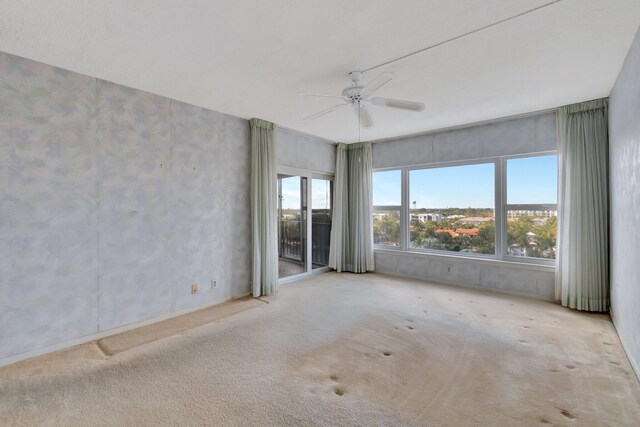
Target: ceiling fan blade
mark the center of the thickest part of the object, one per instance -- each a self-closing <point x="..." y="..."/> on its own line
<point x="323" y="112"/>
<point x="381" y="80"/>
<point x="398" y="103"/>
<point x="365" y="118"/>
<point x="320" y="95"/>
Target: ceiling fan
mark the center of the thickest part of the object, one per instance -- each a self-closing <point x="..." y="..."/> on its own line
<point x="358" y="96"/>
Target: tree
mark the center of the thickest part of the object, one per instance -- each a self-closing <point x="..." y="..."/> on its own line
<point x="387" y="230"/>
<point x="486" y="239"/>
<point x="517" y="232"/>
<point x="546" y="235"/>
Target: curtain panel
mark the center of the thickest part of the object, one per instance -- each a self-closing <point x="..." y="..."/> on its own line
<point x="264" y="208"/>
<point x="351" y="247"/>
<point x="582" y="274"/>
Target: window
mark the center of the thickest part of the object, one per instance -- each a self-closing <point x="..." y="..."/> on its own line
<point x="531" y="209"/>
<point x="502" y="207"/>
<point x="453" y="209"/>
<point x="387" y="201"/>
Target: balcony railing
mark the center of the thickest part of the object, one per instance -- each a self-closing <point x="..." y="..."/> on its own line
<point x="291" y="241"/>
<point x="320" y="239"/>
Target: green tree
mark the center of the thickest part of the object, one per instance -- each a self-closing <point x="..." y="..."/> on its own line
<point x="517" y="232"/>
<point x="545" y="238"/>
<point x="387" y="230"/>
<point x="486" y="239"/>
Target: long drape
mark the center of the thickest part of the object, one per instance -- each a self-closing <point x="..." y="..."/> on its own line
<point x="264" y="196"/>
<point x="339" y="242"/>
<point x="351" y="246"/>
<point x="582" y="275"/>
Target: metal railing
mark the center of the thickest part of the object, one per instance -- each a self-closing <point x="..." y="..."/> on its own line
<point x="320" y="239"/>
<point x="291" y="241"/>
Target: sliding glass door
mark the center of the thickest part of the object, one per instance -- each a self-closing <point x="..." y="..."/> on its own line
<point x="292" y="216"/>
<point x="303" y="245"/>
<point x="321" y="203"/>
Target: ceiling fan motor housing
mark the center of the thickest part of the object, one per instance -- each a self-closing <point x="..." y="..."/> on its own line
<point x="353" y="93"/>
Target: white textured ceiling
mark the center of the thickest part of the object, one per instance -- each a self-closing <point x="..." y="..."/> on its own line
<point x="250" y="58"/>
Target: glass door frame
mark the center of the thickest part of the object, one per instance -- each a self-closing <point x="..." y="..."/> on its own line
<point x="309" y="175"/>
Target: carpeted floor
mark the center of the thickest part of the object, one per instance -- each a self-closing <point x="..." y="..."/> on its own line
<point x="345" y="349"/>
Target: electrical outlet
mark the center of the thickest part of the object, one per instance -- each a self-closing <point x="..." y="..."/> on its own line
<point x="194" y="288"/>
<point x="214" y="283"/>
<point x="448" y="269"/>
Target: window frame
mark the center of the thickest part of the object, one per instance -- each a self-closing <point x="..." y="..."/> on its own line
<point x="309" y="174"/>
<point x="443" y="165"/>
<point x="500" y="209"/>
<point x="519" y="206"/>
<point x="400" y="209"/>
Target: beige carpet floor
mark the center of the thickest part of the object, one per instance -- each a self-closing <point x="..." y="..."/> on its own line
<point x="345" y="350"/>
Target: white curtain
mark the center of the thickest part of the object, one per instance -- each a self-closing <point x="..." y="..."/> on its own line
<point x="264" y="208"/>
<point x="582" y="274"/>
<point x="351" y="246"/>
<point x="338" y="246"/>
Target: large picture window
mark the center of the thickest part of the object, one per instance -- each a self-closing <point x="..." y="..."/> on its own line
<point x="453" y="208"/>
<point x="387" y="198"/>
<point x="502" y="207"/>
<point x="531" y="209"/>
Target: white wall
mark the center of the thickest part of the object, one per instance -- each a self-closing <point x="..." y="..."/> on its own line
<point x="113" y="201"/>
<point x="509" y="137"/>
<point x="498" y="276"/>
<point x="298" y="150"/>
<point x="624" y="161"/>
<point x="503" y="138"/>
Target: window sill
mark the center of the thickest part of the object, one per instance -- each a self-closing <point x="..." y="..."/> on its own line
<point x="469" y="259"/>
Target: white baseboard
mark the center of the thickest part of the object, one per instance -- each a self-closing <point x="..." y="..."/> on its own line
<point x="92" y="337"/>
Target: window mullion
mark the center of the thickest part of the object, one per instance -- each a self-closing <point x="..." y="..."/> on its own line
<point x="500" y="214"/>
<point x="404" y="210"/>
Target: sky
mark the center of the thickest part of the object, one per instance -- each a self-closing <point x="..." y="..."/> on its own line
<point x="291" y="193"/>
<point x="529" y="180"/>
<point x="532" y="180"/>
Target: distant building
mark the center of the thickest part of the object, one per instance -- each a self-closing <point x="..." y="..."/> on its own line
<point x="468" y="231"/>
<point x="537" y="214"/>
<point x="377" y="216"/>
<point x="515" y="250"/>
<point x="540" y="221"/>
<point x="455" y="216"/>
<point x="450" y="232"/>
<point x="476" y="220"/>
<point x="427" y="217"/>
